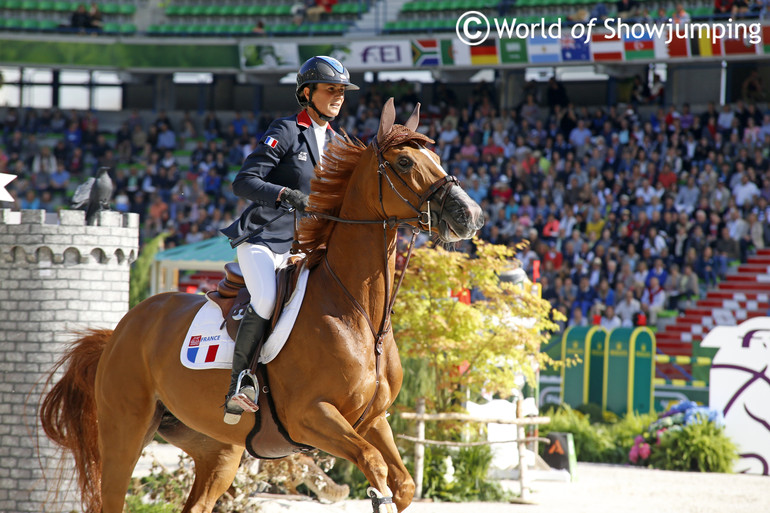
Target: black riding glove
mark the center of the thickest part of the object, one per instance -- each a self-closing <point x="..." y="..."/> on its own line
<point x="295" y="198"/>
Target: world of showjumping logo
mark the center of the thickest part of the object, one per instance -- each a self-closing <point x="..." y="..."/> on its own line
<point x="474" y="27"/>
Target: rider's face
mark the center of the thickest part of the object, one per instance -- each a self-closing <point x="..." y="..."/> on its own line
<point x="328" y="98"/>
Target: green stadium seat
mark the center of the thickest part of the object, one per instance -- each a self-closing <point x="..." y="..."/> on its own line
<point x="702" y="11"/>
<point x="29" y="24"/>
<point x="13" y="23"/>
<point x="48" y="25"/>
<point x="127" y="28"/>
<point x="13" y="5"/>
<point x="269" y="10"/>
<point x="171" y="10"/>
<point x="165" y="30"/>
<point x="410" y="7"/>
<point x="413" y="25"/>
<point x="197" y="10"/>
<point x="211" y="10"/>
<point x="226" y="10"/>
<point x="185" y="10"/>
<point x="232" y="29"/>
<point x="193" y="29"/>
<point x="127" y="9"/>
<point x="62" y="6"/>
<point x="255" y="10"/>
<point x="284" y="10"/>
<point x="240" y="10"/>
<point x="403" y="26"/>
<point x="112" y="28"/>
<point x="29" y="5"/>
<point x="45" y="5"/>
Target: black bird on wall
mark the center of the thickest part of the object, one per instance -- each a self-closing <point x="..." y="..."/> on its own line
<point x="94" y="195"/>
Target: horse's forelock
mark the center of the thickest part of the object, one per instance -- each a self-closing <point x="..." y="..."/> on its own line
<point x="400" y="135"/>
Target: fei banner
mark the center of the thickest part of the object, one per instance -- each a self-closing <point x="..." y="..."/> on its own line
<point x="356" y="55"/>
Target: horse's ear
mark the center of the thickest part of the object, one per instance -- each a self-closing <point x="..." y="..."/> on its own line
<point x="414" y="120"/>
<point x="386" y="120"/>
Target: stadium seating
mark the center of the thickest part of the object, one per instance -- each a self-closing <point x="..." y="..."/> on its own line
<point x="55" y="15"/>
<point x="227" y="19"/>
<point x="237" y="18"/>
<point x="432" y="16"/>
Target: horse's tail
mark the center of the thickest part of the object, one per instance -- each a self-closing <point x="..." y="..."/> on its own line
<point x="68" y="413"/>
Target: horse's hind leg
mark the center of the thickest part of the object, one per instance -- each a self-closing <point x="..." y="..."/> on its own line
<point x="399" y="480"/>
<point x="216" y="464"/>
<point x="128" y="416"/>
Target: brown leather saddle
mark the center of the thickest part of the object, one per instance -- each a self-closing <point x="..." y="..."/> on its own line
<point x="268" y="439"/>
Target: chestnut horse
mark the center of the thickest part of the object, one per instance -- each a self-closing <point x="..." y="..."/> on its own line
<point x="119" y="388"/>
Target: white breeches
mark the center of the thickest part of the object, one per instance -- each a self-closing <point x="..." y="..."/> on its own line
<point x="258" y="265"/>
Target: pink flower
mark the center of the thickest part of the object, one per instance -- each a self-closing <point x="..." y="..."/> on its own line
<point x="638" y="440"/>
<point x="633" y="454"/>
<point x="644" y="451"/>
<point x="659" y="434"/>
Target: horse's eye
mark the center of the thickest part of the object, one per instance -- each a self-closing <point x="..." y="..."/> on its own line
<point x="404" y="163"/>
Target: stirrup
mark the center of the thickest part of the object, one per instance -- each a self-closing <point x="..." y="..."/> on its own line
<point x="381" y="503"/>
<point x="243" y="399"/>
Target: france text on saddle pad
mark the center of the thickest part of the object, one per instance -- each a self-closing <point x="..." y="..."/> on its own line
<point x="208" y="346"/>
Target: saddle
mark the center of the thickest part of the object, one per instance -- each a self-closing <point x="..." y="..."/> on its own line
<point x="232" y="296"/>
<point x="268" y="439"/>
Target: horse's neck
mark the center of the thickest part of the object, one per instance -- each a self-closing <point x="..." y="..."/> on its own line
<point x="357" y="254"/>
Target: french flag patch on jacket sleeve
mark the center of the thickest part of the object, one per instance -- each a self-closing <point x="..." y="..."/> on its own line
<point x="271" y="142"/>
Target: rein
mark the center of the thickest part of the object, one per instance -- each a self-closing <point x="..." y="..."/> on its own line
<point x="423" y="219"/>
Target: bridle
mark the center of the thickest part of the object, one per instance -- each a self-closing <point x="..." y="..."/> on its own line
<point x="423" y="222"/>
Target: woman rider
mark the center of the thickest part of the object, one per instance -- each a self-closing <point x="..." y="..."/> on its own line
<point x="274" y="177"/>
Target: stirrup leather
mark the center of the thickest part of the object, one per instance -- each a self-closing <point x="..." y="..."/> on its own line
<point x="240" y="398"/>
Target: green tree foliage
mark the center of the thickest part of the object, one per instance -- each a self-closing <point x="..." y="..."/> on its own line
<point x="481" y="346"/>
<point x="139" y="281"/>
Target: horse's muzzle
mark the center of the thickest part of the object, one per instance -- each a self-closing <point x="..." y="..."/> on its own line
<point x="460" y="218"/>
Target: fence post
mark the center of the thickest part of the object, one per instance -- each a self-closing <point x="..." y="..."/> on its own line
<point x="521" y="436"/>
<point x="419" y="449"/>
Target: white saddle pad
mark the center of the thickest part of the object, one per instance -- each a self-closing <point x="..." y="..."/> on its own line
<point x="207" y="346"/>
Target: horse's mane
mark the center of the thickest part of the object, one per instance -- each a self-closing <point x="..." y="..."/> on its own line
<point x="327" y="189"/>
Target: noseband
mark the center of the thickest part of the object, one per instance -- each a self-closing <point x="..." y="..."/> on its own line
<point x="423" y="222"/>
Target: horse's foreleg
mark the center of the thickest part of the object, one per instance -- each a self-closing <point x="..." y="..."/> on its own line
<point x="324" y="427"/>
<point x="401" y="483"/>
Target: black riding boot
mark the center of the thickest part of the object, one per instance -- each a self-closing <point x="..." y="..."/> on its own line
<point x="251" y="330"/>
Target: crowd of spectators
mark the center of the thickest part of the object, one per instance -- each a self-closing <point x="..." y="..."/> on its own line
<point x="625" y="212"/>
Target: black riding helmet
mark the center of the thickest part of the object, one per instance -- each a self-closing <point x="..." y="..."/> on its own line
<point x="321" y="70"/>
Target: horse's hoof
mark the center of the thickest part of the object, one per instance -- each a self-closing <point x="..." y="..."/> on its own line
<point x="381" y="503"/>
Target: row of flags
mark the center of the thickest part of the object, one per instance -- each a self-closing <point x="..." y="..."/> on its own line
<point x="543" y="50"/>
